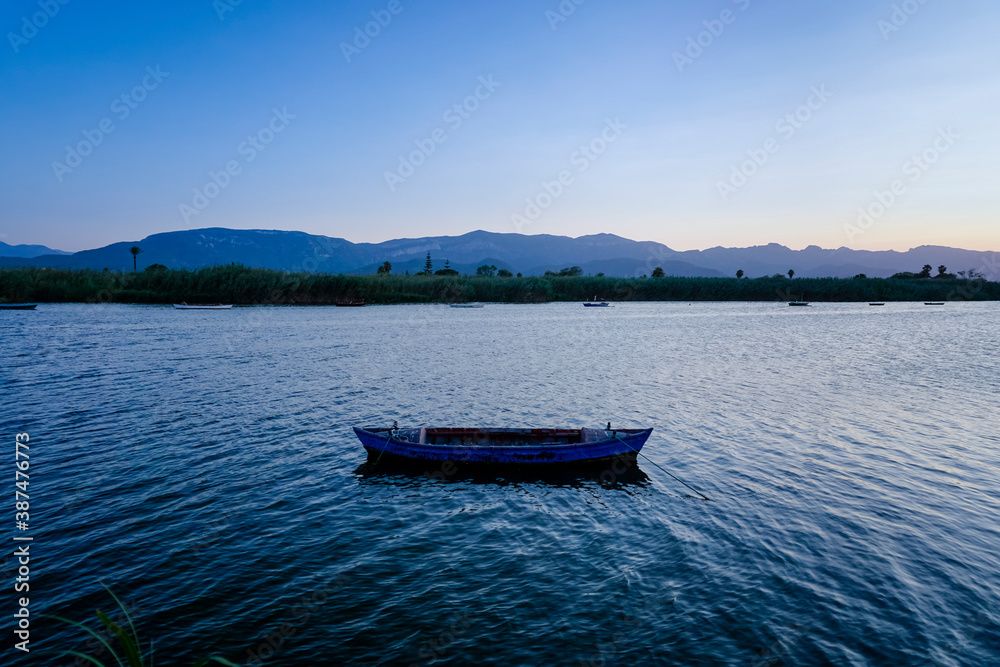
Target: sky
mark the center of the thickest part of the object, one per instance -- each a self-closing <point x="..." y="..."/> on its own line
<point x="868" y="125"/>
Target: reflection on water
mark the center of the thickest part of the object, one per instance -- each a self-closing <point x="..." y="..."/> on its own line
<point x="386" y="471"/>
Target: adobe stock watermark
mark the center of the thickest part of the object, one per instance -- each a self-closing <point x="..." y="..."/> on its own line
<point x="581" y="159"/>
<point x="250" y="148"/>
<point x="900" y="16"/>
<point x="31" y="25"/>
<point x="786" y="127"/>
<point x="437" y="647"/>
<point x="697" y="44"/>
<point x="454" y="116"/>
<point x="914" y="169"/>
<point x="223" y="7"/>
<point x="122" y="106"/>
<point x="627" y="626"/>
<point x="776" y="653"/>
<point x="363" y="35"/>
<point x="973" y="281"/>
<point x="301" y="612"/>
<point x="562" y="13"/>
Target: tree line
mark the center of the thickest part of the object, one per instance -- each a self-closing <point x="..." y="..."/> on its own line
<point x="239" y="284"/>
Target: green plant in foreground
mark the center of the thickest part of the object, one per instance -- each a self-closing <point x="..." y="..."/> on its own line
<point x="128" y="641"/>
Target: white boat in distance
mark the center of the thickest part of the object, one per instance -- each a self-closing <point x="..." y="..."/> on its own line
<point x="466" y="305"/>
<point x="596" y="304"/>
<point x="202" y="306"/>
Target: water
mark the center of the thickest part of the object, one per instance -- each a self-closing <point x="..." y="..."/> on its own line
<point x="203" y="466"/>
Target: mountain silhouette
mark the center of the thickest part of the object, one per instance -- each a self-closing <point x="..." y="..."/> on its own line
<point x="519" y="253"/>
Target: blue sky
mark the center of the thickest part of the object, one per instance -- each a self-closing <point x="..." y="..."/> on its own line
<point x="598" y="117"/>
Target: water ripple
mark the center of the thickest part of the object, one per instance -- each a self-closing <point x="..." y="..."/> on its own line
<point x="205" y="468"/>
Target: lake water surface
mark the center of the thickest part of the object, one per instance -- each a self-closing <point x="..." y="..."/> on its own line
<point x="202" y="464"/>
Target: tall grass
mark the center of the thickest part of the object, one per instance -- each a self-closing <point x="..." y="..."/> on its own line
<point x="125" y="646"/>
<point x="245" y="286"/>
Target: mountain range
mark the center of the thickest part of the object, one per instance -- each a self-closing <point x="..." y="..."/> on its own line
<point x="7" y="250"/>
<point x="519" y="253"/>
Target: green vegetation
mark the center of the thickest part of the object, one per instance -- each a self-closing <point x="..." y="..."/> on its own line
<point x="244" y="286"/>
<point x="126" y="640"/>
<point x="571" y="272"/>
<point x="428" y="267"/>
<point x="942" y="274"/>
<point x="447" y="270"/>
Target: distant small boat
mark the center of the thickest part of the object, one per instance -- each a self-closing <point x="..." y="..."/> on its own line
<point x="933" y="303"/>
<point x="798" y="303"/>
<point x="596" y="304"/>
<point x="17" y="306"/>
<point x="504" y="446"/>
<point x="876" y="304"/>
<point x="183" y="305"/>
<point x="350" y="304"/>
<point x="466" y="305"/>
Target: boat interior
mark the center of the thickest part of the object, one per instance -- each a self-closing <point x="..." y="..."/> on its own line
<point x="504" y="437"/>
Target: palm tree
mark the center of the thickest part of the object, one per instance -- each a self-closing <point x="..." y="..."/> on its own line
<point x="791" y="273"/>
<point x="135" y="250"/>
<point x="739" y="274"/>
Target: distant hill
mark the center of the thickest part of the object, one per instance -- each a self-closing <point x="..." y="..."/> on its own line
<point x="7" y="250"/>
<point x="816" y="262"/>
<point x="530" y="255"/>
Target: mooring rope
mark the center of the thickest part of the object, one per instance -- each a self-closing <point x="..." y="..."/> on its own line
<point x="662" y="468"/>
<point x="388" y="439"/>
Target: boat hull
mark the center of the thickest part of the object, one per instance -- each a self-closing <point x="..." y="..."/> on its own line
<point x="517" y="447"/>
<point x="17" y="306"/>
<point x="219" y="306"/>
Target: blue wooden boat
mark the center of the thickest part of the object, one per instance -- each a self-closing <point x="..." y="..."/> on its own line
<point x="17" y="306"/>
<point x="504" y="446"/>
<point x="596" y="304"/>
